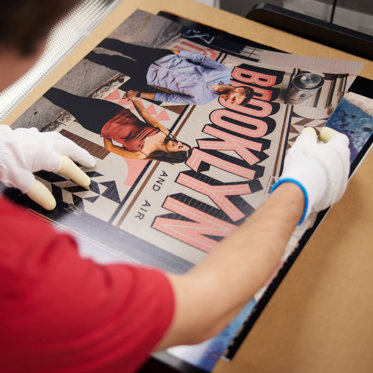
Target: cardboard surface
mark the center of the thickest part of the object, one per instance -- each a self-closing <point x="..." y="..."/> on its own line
<point x="319" y="320"/>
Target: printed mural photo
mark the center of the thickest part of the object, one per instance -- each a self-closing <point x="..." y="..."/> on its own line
<point x="189" y="134"/>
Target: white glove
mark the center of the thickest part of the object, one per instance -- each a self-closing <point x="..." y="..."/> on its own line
<point x="25" y="151"/>
<point x="319" y="169"/>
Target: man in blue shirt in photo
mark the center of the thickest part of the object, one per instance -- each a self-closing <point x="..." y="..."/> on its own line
<point x="177" y="76"/>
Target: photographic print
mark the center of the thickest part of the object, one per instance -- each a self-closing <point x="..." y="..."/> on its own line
<point x="189" y="131"/>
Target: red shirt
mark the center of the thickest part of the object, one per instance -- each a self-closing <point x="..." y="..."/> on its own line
<point x="128" y="130"/>
<point x="62" y="313"/>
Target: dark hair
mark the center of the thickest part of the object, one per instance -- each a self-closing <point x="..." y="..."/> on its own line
<point x="171" y="157"/>
<point x="24" y="23"/>
<point x="248" y="92"/>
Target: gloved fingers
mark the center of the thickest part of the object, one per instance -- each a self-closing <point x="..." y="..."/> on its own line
<point x="73" y="172"/>
<point x="309" y="131"/>
<point x="52" y="162"/>
<point x="339" y="141"/>
<point x="335" y="158"/>
<point x="338" y="144"/>
<point x="23" y="180"/>
<point x="41" y="195"/>
<point x="305" y="139"/>
<point x="77" y="153"/>
<point x="327" y="134"/>
<point x="68" y="147"/>
<point x="62" y="164"/>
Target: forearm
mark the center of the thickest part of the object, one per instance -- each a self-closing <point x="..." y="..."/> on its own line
<point x="148" y="118"/>
<point x="249" y="255"/>
<point x="177" y="98"/>
<point x="230" y="275"/>
<point x="143" y="112"/>
<point x="118" y="150"/>
<point x="147" y="96"/>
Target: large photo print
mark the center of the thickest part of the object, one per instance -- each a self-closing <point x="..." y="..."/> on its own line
<point x="188" y="138"/>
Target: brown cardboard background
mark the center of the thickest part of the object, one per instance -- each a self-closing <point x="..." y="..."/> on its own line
<point x="320" y="318"/>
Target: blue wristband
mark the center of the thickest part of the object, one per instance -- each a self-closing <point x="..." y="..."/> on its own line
<point x="303" y="189"/>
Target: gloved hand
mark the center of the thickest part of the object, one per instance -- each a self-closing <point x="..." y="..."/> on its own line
<point x="319" y="169"/>
<point x="24" y="151"/>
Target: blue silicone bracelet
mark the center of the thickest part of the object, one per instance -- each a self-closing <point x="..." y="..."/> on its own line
<point x="303" y="189"/>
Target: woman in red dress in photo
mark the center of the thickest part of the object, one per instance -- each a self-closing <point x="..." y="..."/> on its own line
<point x="140" y="140"/>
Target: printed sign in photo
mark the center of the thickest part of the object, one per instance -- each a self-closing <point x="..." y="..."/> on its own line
<point x="189" y="133"/>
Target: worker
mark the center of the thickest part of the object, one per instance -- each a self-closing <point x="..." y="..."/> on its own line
<point x="62" y="313"/>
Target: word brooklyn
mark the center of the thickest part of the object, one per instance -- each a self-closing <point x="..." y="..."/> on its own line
<point x="234" y="128"/>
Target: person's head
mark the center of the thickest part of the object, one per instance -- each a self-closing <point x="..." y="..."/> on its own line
<point x="173" y="152"/>
<point x="24" y="26"/>
<point x="240" y="95"/>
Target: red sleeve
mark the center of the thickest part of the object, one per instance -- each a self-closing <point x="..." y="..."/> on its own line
<point x="61" y="313"/>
